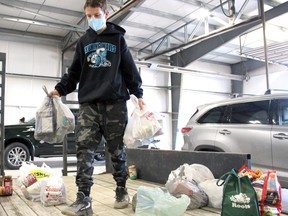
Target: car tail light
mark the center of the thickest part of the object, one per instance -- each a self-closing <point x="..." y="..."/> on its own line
<point x="186" y="129"/>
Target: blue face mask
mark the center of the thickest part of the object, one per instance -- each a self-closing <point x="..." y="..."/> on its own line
<point x="97" y="24"/>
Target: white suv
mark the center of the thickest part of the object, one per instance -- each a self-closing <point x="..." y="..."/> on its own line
<point x="256" y="124"/>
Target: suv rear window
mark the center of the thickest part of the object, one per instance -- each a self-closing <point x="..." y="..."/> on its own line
<point x="250" y="113"/>
<point x="214" y="115"/>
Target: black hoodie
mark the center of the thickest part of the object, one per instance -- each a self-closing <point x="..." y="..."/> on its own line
<point x="104" y="68"/>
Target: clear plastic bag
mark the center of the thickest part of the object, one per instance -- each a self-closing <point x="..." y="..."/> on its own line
<point x="157" y="202"/>
<point x="53" y="120"/>
<point x="45" y="122"/>
<point x="53" y="191"/>
<point x="143" y="124"/>
<point x="180" y="185"/>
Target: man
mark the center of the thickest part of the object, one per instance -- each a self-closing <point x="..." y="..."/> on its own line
<point x="106" y="73"/>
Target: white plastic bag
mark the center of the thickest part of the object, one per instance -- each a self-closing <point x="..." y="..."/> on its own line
<point x="196" y="172"/>
<point x="142" y="124"/>
<point x="45" y="122"/>
<point x="53" y="120"/>
<point x="30" y="178"/>
<point x="53" y="191"/>
<point x="213" y="191"/>
<point x="156" y="202"/>
<point x="180" y="185"/>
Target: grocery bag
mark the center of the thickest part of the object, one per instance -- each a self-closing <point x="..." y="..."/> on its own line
<point x="239" y="196"/>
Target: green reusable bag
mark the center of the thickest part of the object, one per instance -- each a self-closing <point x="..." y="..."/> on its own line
<point x="239" y="196"/>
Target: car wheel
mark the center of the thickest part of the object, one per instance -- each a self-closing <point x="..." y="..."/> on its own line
<point x="100" y="157"/>
<point x="15" y="154"/>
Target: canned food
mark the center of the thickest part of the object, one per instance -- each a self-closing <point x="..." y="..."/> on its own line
<point x="132" y="172"/>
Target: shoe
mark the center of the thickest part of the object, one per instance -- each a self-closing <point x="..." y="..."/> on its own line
<point x="81" y="207"/>
<point x="122" y="198"/>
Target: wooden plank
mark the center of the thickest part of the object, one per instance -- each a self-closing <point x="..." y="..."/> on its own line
<point x="102" y="194"/>
<point x="37" y="207"/>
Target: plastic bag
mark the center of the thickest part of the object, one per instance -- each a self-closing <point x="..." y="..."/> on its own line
<point x="53" y="191"/>
<point x="53" y="120"/>
<point x="196" y="172"/>
<point x="156" y="202"/>
<point x="45" y="122"/>
<point x="30" y="179"/>
<point x="214" y="192"/>
<point x="142" y="124"/>
<point x="180" y="185"/>
<point x="269" y="193"/>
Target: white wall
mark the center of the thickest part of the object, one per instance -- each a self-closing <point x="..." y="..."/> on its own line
<point x="24" y="94"/>
<point x="278" y="76"/>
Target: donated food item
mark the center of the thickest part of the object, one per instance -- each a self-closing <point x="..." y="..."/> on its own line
<point x="6" y="186"/>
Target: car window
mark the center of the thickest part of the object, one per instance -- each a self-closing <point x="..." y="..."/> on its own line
<point x="214" y="115"/>
<point x="250" y="113"/>
<point x="283" y="112"/>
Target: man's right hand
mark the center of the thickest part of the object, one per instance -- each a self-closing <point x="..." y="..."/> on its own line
<point x="54" y="93"/>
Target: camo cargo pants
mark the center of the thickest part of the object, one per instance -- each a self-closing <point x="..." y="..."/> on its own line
<point x="95" y="120"/>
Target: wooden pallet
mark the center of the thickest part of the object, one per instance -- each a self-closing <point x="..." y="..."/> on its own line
<point x="102" y="195"/>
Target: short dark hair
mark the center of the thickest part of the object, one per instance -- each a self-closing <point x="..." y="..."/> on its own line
<point x="96" y="3"/>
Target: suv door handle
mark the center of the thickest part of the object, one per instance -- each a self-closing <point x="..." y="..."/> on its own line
<point x="225" y="132"/>
<point x="280" y="136"/>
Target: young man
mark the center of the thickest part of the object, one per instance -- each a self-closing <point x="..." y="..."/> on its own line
<point x="107" y="74"/>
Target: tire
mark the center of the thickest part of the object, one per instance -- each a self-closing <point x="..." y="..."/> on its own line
<point x="100" y="156"/>
<point x="15" y="154"/>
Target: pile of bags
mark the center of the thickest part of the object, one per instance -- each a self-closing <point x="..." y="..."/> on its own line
<point x="188" y="187"/>
<point x="41" y="184"/>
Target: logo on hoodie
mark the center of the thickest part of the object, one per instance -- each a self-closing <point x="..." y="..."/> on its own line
<point x="97" y="57"/>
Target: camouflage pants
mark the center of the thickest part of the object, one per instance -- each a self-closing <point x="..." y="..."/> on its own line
<point x="95" y="120"/>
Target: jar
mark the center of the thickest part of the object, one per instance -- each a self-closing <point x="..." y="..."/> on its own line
<point x="8" y="181"/>
<point x="8" y="185"/>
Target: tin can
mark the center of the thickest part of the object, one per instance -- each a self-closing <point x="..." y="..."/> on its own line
<point x="132" y="172"/>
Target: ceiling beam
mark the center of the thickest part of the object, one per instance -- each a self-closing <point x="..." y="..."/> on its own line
<point x="205" y="45"/>
<point x="34" y="6"/>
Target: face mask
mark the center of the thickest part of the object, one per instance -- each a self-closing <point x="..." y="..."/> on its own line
<point x="97" y="24"/>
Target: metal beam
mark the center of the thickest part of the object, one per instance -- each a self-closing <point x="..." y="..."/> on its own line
<point x="207" y="44"/>
<point x="35" y="6"/>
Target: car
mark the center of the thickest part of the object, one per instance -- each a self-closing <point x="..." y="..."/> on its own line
<point x="20" y="145"/>
<point x="257" y="125"/>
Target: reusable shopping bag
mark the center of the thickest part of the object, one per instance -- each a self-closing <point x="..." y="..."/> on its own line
<point x="271" y="199"/>
<point x="239" y="196"/>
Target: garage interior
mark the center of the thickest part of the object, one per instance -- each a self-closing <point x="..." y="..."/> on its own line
<point x="189" y="52"/>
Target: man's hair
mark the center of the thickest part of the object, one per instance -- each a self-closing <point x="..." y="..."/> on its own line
<point x="96" y="3"/>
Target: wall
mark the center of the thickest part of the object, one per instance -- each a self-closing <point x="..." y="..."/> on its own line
<point x="278" y="76"/>
<point x="29" y="66"/>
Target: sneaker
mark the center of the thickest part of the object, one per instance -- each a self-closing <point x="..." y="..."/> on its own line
<point x="122" y="198"/>
<point x="82" y="206"/>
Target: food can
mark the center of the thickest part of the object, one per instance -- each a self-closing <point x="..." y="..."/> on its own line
<point x="132" y="172"/>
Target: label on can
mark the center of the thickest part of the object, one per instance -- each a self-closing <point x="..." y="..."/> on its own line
<point x="132" y="172"/>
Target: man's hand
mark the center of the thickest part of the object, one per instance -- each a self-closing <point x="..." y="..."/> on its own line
<point x="54" y="93"/>
<point x="141" y="103"/>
